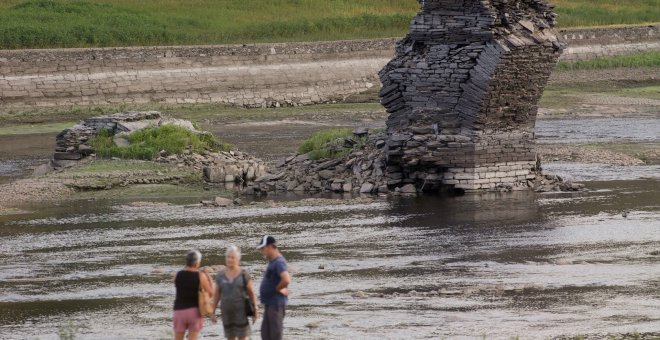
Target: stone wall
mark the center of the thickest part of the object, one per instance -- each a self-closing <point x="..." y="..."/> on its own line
<point x="245" y="75"/>
<point x="462" y="92"/>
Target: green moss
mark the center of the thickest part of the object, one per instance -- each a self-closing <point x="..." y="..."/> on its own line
<point x="328" y="143"/>
<point x="147" y="143"/>
<point x="107" y="166"/>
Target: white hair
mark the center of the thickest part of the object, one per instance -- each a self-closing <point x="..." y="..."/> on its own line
<point x="193" y="257"/>
<point x="233" y="249"/>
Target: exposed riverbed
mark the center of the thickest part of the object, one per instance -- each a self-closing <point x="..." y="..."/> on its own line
<point x="493" y="265"/>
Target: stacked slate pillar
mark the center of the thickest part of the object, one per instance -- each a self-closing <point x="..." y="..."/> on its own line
<point x="463" y="90"/>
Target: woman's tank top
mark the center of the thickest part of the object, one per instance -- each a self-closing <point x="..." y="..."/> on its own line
<point x="187" y="287"/>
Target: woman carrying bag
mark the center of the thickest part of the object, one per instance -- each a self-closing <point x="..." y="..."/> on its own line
<point x="191" y="286"/>
<point x="236" y="296"/>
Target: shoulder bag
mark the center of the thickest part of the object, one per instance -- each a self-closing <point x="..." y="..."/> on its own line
<point x="249" y="306"/>
<point x="204" y="301"/>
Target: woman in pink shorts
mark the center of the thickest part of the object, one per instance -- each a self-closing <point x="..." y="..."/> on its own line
<point x="186" y="311"/>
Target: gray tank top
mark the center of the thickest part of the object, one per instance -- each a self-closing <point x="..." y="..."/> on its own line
<point x="232" y="300"/>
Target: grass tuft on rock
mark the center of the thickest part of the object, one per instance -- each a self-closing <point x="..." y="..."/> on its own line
<point x="329" y="143"/>
<point x="147" y="143"/>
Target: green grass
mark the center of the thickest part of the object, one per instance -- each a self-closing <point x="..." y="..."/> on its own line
<point x="573" y="95"/>
<point x="586" y="13"/>
<point x="147" y="143"/>
<point x="647" y="152"/>
<point x="29" y="129"/>
<point x="101" y="166"/>
<point x="636" y="60"/>
<point x="104" y="23"/>
<point x="198" y="113"/>
<point x="328" y="144"/>
<point x="61" y="23"/>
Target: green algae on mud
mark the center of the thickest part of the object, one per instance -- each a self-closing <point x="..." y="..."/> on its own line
<point x="23" y="119"/>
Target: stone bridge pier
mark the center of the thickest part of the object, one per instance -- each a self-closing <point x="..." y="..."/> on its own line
<point x="463" y="90"/>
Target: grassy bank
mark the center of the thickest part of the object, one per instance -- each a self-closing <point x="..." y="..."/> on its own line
<point x="328" y="143"/>
<point x="96" y="23"/>
<point x="586" y="13"/>
<point x="644" y="59"/>
<point x="147" y="143"/>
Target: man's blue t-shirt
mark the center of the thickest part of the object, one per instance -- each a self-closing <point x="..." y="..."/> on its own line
<point x="267" y="293"/>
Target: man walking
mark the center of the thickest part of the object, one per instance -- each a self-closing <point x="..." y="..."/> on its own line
<point x="274" y="289"/>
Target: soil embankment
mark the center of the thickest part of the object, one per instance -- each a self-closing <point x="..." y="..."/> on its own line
<point x="262" y="75"/>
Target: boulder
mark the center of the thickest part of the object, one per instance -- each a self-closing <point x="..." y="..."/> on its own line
<point x="72" y="156"/>
<point x="326" y="174"/>
<point x="214" y="174"/>
<point x="366" y="188"/>
<point x="43" y="169"/>
<point x="223" y="202"/>
<point x="408" y="189"/>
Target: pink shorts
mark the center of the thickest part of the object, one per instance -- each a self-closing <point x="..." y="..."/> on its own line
<point x="187" y="319"/>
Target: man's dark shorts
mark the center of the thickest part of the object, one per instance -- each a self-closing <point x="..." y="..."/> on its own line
<point x="272" y="324"/>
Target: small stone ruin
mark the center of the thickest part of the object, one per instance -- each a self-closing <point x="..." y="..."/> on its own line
<point x="463" y="90"/>
<point x="222" y="167"/>
<point x="71" y="144"/>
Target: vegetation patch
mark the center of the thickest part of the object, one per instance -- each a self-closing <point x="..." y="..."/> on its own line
<point x="330" y="144"/>
<point x="647" y="152"/>
<point x="106" y="23"/>
<point x="147" y="143"/>
<point x="644" y="59"/>
<point x="587" y="13"/>
<point x="107" y="166"/>
<point x="29" y="129"/>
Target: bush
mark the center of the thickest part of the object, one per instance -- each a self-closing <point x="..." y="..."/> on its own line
<point x="147" y="143"/>
<point x="328" y="144"/>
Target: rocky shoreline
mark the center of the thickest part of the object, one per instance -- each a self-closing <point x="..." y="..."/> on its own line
<point x="364" y="170"/>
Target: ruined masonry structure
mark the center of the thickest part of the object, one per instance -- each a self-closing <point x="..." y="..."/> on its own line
<point x="463" y="90"/>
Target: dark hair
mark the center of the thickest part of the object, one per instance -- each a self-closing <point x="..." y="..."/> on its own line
<point x="193" y="257"/>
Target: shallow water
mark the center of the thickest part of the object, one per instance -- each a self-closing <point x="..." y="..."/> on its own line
<point x="598" y="130"/>
<point x="505" y="265"/>
<point x="492" y="265"/>
<point x="584" y="172"/>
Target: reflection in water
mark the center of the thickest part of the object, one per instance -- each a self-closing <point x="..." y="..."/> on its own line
<point x="494" y="265"/>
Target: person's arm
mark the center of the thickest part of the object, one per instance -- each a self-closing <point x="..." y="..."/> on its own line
<point x="216" y="297"/>
<point x="253" y="297"/>
<point x="282" y="287"/>
<point x="216" y="301"/>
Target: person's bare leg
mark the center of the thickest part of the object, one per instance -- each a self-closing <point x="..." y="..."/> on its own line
<point x="193" y="335"/>
<point x="179" y="336"/>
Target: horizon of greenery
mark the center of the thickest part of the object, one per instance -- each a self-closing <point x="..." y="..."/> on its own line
<point x="111" y="23"/>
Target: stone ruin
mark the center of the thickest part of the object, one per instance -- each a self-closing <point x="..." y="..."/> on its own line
<point x="218" y="168"/>
<point x="463" y="90"/>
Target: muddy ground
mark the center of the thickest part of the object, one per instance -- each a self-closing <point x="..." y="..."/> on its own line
<point x="617" y="118"/>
